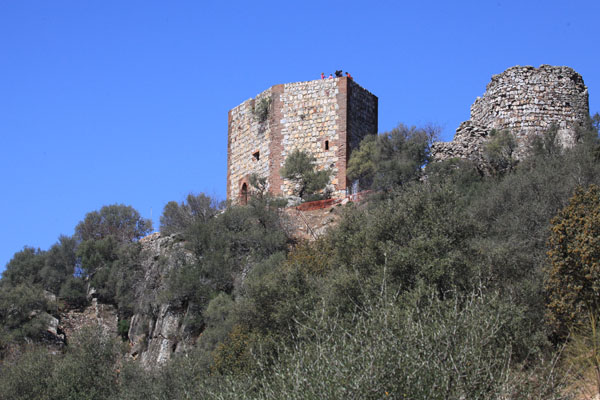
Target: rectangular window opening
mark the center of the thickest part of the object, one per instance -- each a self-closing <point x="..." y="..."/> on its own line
<point x="327" y="145"/>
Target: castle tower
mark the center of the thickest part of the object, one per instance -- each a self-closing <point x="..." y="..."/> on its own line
<point x="326" y="118"/>
<point x="526" y="101"/>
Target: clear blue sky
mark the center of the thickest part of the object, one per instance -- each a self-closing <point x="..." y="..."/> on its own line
<point x="105" y="102"/>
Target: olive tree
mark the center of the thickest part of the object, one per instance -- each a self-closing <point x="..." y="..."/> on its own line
<point x="122" y="222"/>
<point x="300" y="168"/>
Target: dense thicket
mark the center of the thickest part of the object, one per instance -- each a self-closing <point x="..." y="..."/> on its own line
<point x="391" y="159"/>
<point x="433" y="288"/>
<point x="573" y="279"/>
<point x="103" y="254"/>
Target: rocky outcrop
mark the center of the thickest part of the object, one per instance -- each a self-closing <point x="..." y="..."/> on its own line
<point x="526" y="101"/>
<point x="157" y="330"/>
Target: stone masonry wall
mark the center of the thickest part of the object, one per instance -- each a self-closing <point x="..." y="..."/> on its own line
<point x="313" y="116"/>
<point x="526" y="101"/>
<point x="247" y="136"/>
<point x="362" y="118"/>
<point x="362" y="114"/>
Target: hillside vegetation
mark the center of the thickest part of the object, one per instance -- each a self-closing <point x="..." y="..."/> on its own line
<point x="447" y="283"/>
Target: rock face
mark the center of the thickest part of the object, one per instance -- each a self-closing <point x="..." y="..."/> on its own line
<point x="157" y="330"/>
<point x="525" y="101"/>
<point x="309" y="225"/>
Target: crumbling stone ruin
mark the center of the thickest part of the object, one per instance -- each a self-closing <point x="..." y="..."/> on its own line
<point x="526" y="101"/>
<point x="326" y="118"/>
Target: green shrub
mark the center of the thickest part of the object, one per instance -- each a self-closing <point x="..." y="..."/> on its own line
<point x="88" y="370"/>
<point x="500" y="152"/>
<point x="176" y="218"/>
<point x="424" y="349"/>
<point x="28" y="375"/>
<point x="74" y="292"/>
<point x="23" y="314"/>
<point x="123" y="328"/>
<point x="300" y="168"/>
<point x="122" y="222"/>
<point x="393" y="158"/>
<point x="261" y="109"/>
<point x="573" y="273"/>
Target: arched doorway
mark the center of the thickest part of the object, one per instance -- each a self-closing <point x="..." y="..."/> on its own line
<point x="244" y="194"/>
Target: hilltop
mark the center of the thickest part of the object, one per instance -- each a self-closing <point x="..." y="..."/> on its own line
<point x="456" y="277"/>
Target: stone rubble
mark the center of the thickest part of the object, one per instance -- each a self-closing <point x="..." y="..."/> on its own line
<point x="96" y="314"/>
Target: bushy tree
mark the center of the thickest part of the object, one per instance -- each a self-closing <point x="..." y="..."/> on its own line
<point x="259" y="185"/>
<point x="393" y="158"/>
<point x="300" y="168"/>
<point x="225" y="245"/>
<point x="60" y="264"/>
<point x="23" y="303"/>
<point x="23" y="314"/>
<point x="197" y="208"/>
<point x="500" y="151"/>
<point x="421" y="233"/>
<point x="97" y="258"/>
<point x="219" y="323"/>
<point x="74" y="292"/>
<point x="28" y="375"/>
<point x="111" y="269"/>
<point x="24" y="267"/>
<point x="225" y="248"/>
<point x="122" y="222"/>
<point x="573" y="274"/>
<point x="402" y="152"/>
<point x="48" y="269"/>
<point x="362" y="165"/>
<point x="546" y="144"/>
<point x="88" y="370"/>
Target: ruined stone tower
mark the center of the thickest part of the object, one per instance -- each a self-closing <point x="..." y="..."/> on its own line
<point x="326" y="118"/>
<point x="525" y="101"/>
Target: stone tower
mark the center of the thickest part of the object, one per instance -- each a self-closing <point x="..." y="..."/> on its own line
<point x="326" y="118"/>
<point x="525" y="101"/>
